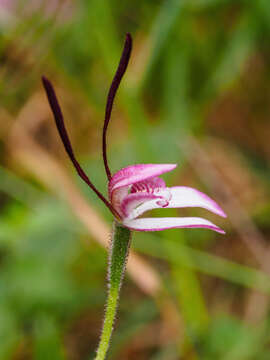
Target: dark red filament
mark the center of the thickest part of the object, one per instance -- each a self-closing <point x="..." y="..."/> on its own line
<point x="59" y="120"/>
<point x="123" y="63"/>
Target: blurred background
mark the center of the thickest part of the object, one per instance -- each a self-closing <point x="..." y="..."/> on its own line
<point x="196" y="93"/>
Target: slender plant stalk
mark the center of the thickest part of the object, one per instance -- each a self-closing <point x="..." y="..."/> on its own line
<point x="119" y="250"/>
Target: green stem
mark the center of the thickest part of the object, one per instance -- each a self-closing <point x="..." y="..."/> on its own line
<point x="117" y="263"/>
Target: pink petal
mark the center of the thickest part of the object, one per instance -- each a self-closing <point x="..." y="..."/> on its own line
<point x="139" y="172"/>
<point x="158" y="224"/>
<point x="182" y="196"/>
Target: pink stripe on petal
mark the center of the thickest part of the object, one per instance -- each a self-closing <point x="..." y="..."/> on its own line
<point x="135" y="173"/>
<point x="158" y="224"/>
<point x="148" y="185"/>
<point x="182" y="196"/>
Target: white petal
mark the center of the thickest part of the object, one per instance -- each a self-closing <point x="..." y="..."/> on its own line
<point x="130" y="201"/>
<point x="182" y="196"/>
<point x="157" y="224"/>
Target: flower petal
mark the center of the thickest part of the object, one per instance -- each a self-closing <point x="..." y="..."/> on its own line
<point x="139" y="172"/>
<point x="134" y="199"/>
<point x="158" y="224"/>
<point x="182" y="196"/>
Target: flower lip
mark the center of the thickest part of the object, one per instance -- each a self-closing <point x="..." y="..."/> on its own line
<point x="180" y="197"/>
<point x="149" y="185"/>
<point x="136" y="173"/>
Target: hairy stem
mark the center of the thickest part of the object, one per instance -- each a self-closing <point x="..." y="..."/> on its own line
<point x="119" y="250"/>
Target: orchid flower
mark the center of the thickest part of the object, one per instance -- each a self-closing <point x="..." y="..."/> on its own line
<point x="138" y="188"/>
<point x="132" y="191"/>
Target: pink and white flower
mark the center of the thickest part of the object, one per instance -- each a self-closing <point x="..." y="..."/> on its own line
<point x="136" y="189"/>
